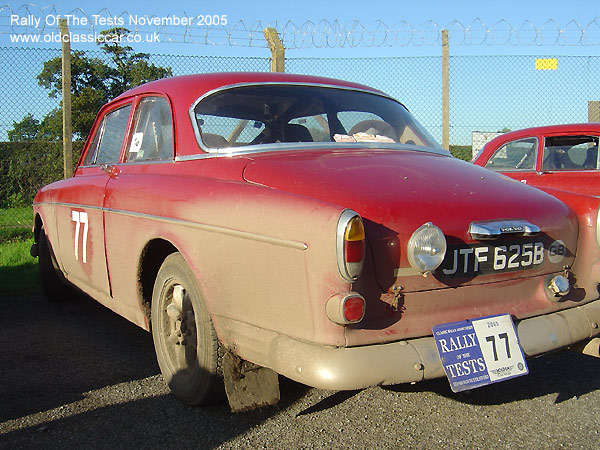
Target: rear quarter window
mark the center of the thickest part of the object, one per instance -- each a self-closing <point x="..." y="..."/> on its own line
<point x="152" y="137"/>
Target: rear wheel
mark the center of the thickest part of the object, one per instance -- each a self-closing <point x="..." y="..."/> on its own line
<point x="185" y="340"/>
<point x="52" y="280"/>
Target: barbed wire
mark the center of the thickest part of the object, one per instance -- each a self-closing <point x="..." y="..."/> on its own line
<point x="220" y="30"/>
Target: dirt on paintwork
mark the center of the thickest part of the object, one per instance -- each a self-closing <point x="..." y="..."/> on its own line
<point x="76" y="375"/>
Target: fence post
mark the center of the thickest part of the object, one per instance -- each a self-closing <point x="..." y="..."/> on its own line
<point x="593" y="111"/>
<point x="66" y="100"/>
<point x="445" y="91"/>
<point x="277" y="50"/>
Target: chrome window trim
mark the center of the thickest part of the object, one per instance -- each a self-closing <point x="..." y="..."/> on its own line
<point x="101" y="134"/>
<point x="141" y="163"/>
<point x="130" y="163"/>
<point x="270" y="147"/>
<point x="290" y="146"/>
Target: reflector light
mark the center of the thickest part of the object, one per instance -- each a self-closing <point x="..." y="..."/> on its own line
<point x="346" y="308"/>
<point x="354" y="309"/>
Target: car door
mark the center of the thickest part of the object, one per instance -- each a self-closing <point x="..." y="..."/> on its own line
<point x="516" y="159"/>
<point x="133" y="198"/>
<point x="80" y="216"/>
<point x="570" y="162"/>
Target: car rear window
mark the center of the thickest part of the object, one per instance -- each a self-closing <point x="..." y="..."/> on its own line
<point x="271" y="114"/>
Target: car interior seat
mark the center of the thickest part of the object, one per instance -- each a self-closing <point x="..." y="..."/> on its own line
<point x="214" y="140"/>
<point x="591" y="159"/>
<point x="293" y="132"/>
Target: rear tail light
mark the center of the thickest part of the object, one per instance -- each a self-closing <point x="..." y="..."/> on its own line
<point x="345" y="309"/>
<point x="350" y="245"/>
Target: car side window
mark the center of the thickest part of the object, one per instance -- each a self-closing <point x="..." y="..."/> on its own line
<point x="515" y="155"/>
<point x="152" y="138"/>
<point x="108" y="140"/>
<point x="570" y="153"/>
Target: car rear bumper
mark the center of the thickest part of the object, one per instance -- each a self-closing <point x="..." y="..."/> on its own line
<point x="413" y="360"/>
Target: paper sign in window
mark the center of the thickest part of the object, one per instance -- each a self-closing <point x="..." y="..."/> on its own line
<point x="136" y="142"/>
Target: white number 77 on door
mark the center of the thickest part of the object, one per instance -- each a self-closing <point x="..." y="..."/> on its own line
<point x="80" y="218"/>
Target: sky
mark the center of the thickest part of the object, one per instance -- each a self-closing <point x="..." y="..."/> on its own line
<point x="520" y="14"/>
<point x="480" y="101"/>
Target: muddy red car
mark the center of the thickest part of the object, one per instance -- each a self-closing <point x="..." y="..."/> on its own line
<point x="262" y="224"/>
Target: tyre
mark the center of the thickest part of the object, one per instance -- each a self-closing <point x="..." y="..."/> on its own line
<point x="186" y="344"/>
<point x="54" y="285"/>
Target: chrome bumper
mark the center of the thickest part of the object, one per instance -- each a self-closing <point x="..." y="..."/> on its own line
<point x="416" y="359"/>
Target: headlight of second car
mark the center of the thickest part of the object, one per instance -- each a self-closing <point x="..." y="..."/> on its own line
<point x="426" y="248"/>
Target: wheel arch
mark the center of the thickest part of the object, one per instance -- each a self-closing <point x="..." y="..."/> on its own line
<point x="152" y="257"/>
<point x="37" y="226"/>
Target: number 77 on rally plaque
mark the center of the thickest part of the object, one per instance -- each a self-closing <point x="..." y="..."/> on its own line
<point x="479" y="352"/>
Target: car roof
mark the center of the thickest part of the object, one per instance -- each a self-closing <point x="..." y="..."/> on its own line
<point x="188" y="88"/>
<point x="564" y="128"/>
<point x="591" y="127"/>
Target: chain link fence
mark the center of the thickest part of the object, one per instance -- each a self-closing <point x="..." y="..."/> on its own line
<point x="487" y="94"/>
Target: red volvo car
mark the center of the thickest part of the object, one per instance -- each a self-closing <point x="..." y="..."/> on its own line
<point x="262" y="224"/>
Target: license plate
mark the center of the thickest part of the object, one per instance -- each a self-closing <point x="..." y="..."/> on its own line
<point x="478" y="352"/>
<point x="481" y="259"/>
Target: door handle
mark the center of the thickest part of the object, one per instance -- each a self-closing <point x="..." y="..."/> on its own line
<point x="110" y="169"/>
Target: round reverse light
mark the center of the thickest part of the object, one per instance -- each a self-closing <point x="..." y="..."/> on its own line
<point x="426" y="248"/>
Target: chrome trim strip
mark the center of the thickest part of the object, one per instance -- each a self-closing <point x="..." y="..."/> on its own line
<point x="214" y="229"/>
<point x="132" y="163"/>
<point x="494" y="229"/>
<point x="199" y="226"/>
<point x="287" y="146"/>
<point x="70" y="205"/>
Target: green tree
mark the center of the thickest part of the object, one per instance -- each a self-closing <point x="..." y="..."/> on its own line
<point x="130" y="69"/>
<point x="94" y="81"/>
<point x="25" y="130"/>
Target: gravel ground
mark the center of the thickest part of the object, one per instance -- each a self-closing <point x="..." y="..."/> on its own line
<point x="76" y="375"/>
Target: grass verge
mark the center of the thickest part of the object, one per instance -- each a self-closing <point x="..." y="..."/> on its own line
<point x="16" y="217"/>
<point x="18" y="270"/>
